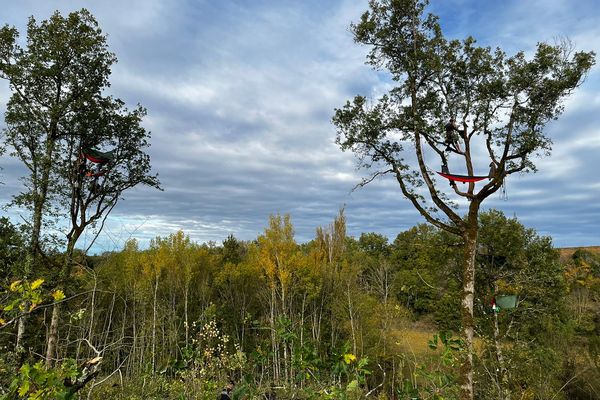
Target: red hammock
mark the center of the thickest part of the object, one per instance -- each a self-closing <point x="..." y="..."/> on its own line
<point x="462" y="178"/>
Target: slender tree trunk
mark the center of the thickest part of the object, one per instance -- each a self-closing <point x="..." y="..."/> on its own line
<point x="243" y="318"/>
<point x="134" y="329"/>
<point x="20" y="333"/>
<point x="39" y="197"/>
<point x="468" y="324"/>
<point x="285" y="345"/>
<point x="109" y="321"/>
<point x="504" y="392"/>
<point x="92" y="306"/>
<point x="52" y="335"/>
<point x="40" y="193"/>
<point x="185" y="310"/>
<point x="351" y="314"/>
<point x="51" y="351"/>
<point x="154" y="327"/>
<point x="274" y="338"/>
<point x="302" y="335"/>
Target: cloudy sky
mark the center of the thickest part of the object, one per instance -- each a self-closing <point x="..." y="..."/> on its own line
<point x="240" y="96"/>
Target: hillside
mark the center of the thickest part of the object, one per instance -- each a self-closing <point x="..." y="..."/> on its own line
<point x="566" y="252"/>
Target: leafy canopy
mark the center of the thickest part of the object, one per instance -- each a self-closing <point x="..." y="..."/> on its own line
<point x="504" y="101"/>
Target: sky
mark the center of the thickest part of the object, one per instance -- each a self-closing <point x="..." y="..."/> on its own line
<point x="240" y="96"/>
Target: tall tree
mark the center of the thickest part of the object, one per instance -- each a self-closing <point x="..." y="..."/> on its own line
<point x="64" y="66"/>
<point x="66" y="63"/>
<point x="56" y="113"/>
<point x="449" y="95"/>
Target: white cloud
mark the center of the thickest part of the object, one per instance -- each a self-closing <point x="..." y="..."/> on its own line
<point x="240" y="97"/>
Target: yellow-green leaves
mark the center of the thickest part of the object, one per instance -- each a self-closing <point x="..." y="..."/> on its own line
<point x="349" y="358"/>
<point x="24" y="298"/>
<point x="58" y="295"/>
<point x="16" y="285"/>
<point x="36" y="284"/>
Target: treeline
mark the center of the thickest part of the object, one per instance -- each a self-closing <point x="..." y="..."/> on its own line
<point x="337" y="317"/>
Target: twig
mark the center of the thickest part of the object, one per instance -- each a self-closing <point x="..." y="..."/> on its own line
<point x="417" y="271"/>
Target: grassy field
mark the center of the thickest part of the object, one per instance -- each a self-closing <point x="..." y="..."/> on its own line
<point x="567" y="252"/>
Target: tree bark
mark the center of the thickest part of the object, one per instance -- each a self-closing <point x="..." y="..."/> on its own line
<point x="40" y="193"/>
<point x="468" y="324"/>
<point x="20" y="333"/>
<point x="154" y="327"/>
<point x="503" y="379"/>
<point x="39" y="197"/>
<point x="185" y="310"/>
<point x="351" y="314"/>
<point x="65" y="273"/>
<point x="52" y="335"/>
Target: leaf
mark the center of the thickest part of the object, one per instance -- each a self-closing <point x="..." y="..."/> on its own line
<point x="24" y="388"/>
<point x="352" y="386"/>
<point x="349" y="358"/>
<point x="36" y="284"/>
<point x="363" y="363"/>
<point x="58" y="295"/>
<point x="433" y="343"/>
<point x="15" y="286"/>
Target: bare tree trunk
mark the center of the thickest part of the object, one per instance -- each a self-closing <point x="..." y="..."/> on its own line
<point x="40" y="193"/>
<point x="109" y="321"/>
<point x="134" y="331"/>
<point x="185" y="310"/>
<point x="504" y="392"/>
<point x="64" y="275"/>
<point x="302" y="335"/>
<point x="154" y="327"/>
<point x="20" y="333"/>
<point x="468" y="324"/>
<point x="351" y="314"/>
<point x="274" y="338"/>
<point x="53" y="335"/>
<point x="92" y="306"/>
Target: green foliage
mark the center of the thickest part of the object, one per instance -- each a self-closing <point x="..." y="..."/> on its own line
<point x="350" y="370"/>
<point x="437" y="378"/>
<point x="231" y="334"/>
<point x="309" y="321"/>
<point x="23" y="297"/>
<point x="481" y="95"/>
<point x="12" y="251"/>
<point x="39" y="382"/>
<point x="374" y="244"/>
<point x="507" y="100"/>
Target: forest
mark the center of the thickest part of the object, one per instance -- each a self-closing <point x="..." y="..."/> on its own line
<point x="470" y="305"/>
<point x="337" y="317"/>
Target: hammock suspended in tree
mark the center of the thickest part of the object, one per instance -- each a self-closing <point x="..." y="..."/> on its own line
<point x="98" y="157"/>
<point x="462" y="178"/>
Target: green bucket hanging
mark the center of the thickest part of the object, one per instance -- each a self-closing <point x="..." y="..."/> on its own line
<point x="506" y="301"/>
